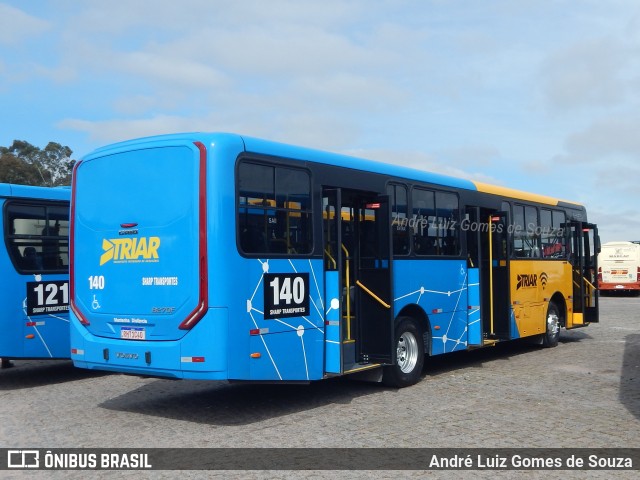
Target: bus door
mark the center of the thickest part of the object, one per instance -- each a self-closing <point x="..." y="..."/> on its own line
<point x="498" y="323"/>
<point x="585" y="246"/>
<point x="488" y="276"/>
<point x="475" y="256"/>
<point x="357" y="263"/>
<point x="373" y="282"/>
<point x="338" y="304"/>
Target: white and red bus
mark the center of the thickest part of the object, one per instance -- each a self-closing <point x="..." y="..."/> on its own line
<point x="619" y="267"/>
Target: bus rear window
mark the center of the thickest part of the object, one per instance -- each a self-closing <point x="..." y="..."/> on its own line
<point x="274" y="210"/>
<point x="37" y="237"/>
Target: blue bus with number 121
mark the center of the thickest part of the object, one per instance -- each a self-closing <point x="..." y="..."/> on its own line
<point x="34" y="261"/>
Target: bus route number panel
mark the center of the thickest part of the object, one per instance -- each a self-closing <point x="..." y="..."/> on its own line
<point x="286" y="295"/>
<point x="47" y="298"/>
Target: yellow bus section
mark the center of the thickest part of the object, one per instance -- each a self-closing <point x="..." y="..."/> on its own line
<point x="510" y="193"/>
<point x="533" y="284"/>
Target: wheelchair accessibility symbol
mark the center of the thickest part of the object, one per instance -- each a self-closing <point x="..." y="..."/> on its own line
<point x="95" y="304"/>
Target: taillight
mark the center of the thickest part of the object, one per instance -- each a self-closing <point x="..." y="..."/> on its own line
<point x="600" y="274"/>
<point x="638" y="279"/>
<point x="72" y="269"/>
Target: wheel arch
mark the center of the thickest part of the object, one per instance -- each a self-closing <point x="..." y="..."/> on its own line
<point x="560" y="302"/>
<point x="420" y="316"/>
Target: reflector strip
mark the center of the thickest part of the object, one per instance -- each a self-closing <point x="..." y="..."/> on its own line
<point x="436" y="310"/>
<point x="192" y="359"/>
<point x="77" y="351"/>
<point x="35" y="324"/>
<point x="258" y="331"/>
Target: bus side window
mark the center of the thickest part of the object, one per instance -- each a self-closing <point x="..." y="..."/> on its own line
<point x="50" y="248"/>
<point x="399" y="225"/>
<point x="274" y="210"/>
<point x="252" y="239"/>
<point x="39" y="238"/>
<point x="31" y="260"/>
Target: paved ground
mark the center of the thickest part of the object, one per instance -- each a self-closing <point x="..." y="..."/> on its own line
<point x="584" y="393"/>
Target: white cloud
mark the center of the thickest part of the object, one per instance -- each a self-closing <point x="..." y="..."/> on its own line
<point x="616" y="224"/>
<point x="62" y="74"/>
<point x="307" y="130"/>
<point x="115" y="130"/>
<point x="621" y="180"/>
<point x="180" y="72"/>
<point x="17" y="26"/>
<point x="137" y="104"/>
<point x="421" y="161"/>
<point x="606" y="137"/>
<point x="591" y="73"/>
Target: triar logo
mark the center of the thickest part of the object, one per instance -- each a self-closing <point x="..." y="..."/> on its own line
<point x="527" y="280"/>
<point x="130" y="250"/>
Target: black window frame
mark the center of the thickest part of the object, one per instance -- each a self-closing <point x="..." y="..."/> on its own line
<point x="47" y="250"/>
<point x="554" y="250"/>
<point x="530" y="233"/>
<point x="270" y="252"/>
<point x="397" y="225"/>
<point x="455" y="224"/>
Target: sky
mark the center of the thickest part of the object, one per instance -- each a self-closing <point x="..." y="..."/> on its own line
<point x="538" y="95"/>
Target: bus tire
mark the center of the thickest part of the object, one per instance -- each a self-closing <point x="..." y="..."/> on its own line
<point x="550" y="338"/>
<point x="409" y="346"/>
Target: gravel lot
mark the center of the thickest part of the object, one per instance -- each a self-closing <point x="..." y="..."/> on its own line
<point x="584" y="393"/>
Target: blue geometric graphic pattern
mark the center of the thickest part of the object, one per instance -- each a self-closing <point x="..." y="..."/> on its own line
<point x="293" y="348"/>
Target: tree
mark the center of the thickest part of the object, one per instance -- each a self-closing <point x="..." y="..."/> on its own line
<point x="29" y="165"/>
<point x="16" y="170"/>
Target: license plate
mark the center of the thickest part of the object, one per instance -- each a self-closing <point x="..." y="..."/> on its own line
<point x="132" y="333"/>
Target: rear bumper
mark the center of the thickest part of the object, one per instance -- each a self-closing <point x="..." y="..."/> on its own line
<point x="197" y="355"/>
<point x="619" y="287"/>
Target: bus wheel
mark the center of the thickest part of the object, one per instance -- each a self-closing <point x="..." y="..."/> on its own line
<point x="550" y="339"/>
<point x="409" y="355"/>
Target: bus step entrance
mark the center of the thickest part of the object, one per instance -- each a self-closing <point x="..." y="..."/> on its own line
<point x="349" y="354"/>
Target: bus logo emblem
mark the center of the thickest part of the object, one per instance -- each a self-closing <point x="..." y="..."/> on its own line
<point x="125" y="250"/>
<point x="527" y="280"/>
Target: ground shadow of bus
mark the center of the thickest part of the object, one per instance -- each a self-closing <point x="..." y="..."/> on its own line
<point x="630" y="377"/>
<point x="482" y="357"/>
<point x="38" y="373"/>
<point x="236" y="404"/>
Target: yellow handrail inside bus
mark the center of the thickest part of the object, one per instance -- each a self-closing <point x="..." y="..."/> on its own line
<point x="585" y="281"/>
<point x="589" y="283"/>
<point x="335" y="265"/>
<point x="375" y="297"/>
<point x="348" y="288"/>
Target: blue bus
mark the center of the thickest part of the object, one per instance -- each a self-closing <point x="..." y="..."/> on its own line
<point x="224" y="257"/>
<point x="34" y="262"/>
